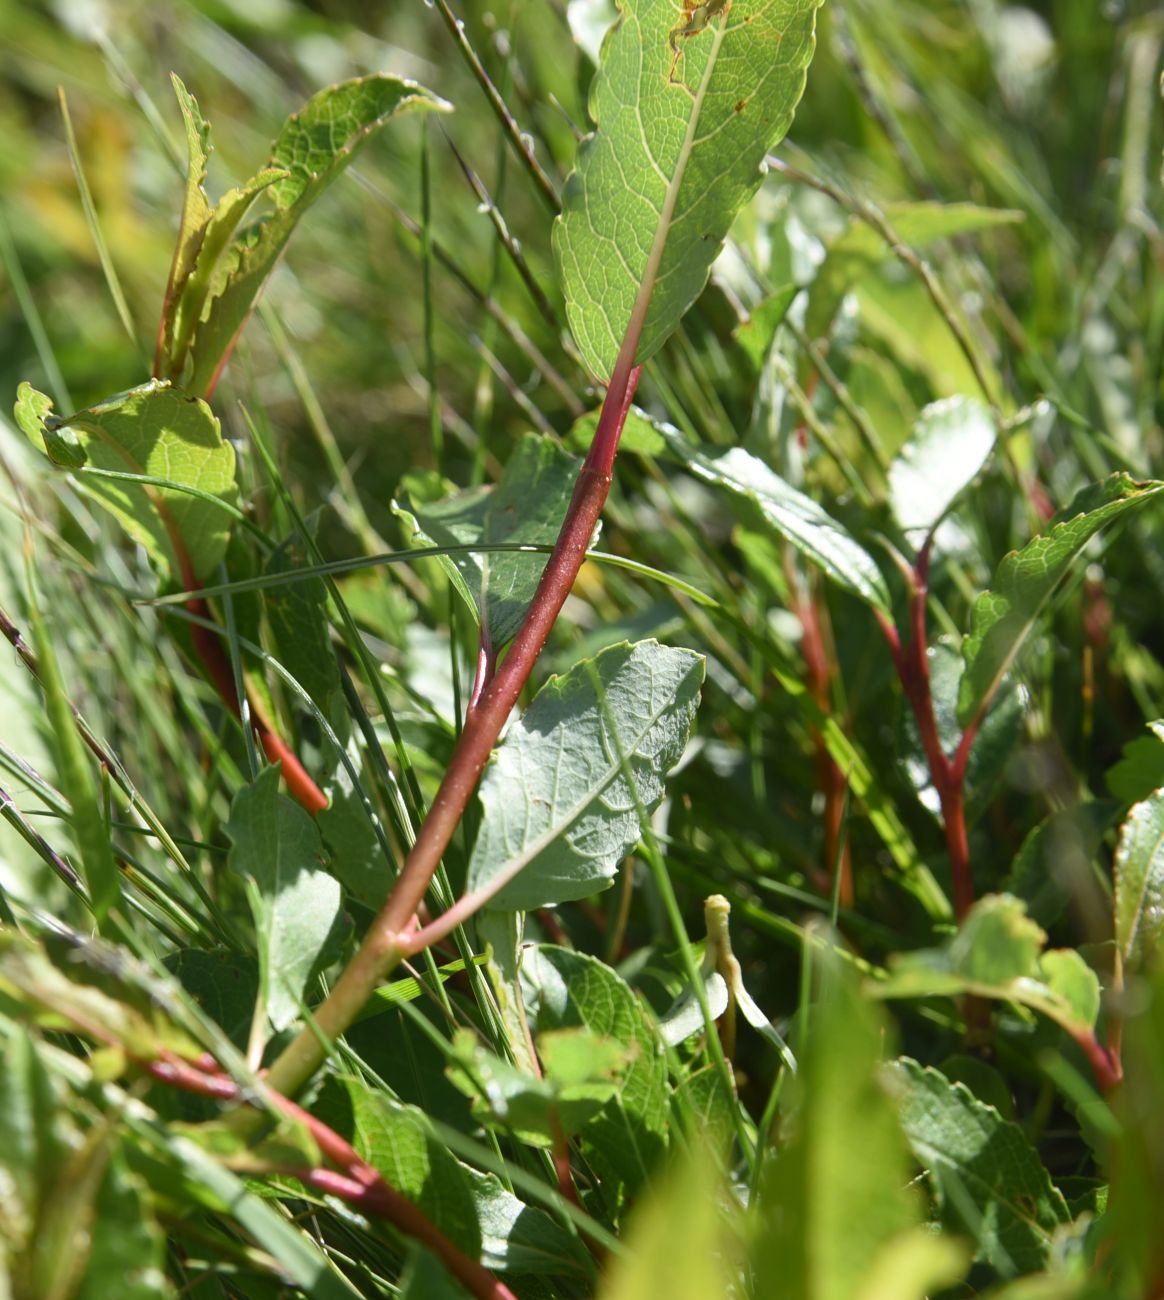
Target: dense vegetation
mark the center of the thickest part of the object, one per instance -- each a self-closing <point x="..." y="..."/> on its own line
<point x="803" y="934"/>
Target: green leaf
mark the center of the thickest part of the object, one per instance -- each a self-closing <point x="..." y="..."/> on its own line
<point x="75" y="773"/>
<point x="998" y="735"/>
<point x="296" y="1254"/>
<point x="313" y="148"/>
<point x="297" y="618"/>
<point x="157" y="431"/>
<point x="998" y="952"/>
<point x="756" y="335"/>
<point x="33" y="1137"/>
<point x="398" y="1140"/>
<point x="627" y="1137"/>
<point x="639" y="433"/>
<point x="558" y="813"/>
<point x="521" y="1239"/>
<point x="127" y="1249"/>
<point x="88" y="987"/>
<point x="223" y="983"/>
<point x="949" y="445"/>
<point x="195" y="208"/>
<point x="676" y="1245"/>
<point x="1057" y="855"/>
<point x="836" y="1191"/>
<point x="296" y="903"/>
<point x="861" y="248"/>
<point x="792" y="515"/>
<point x="687" y="102"/>
<point x="1140" y="769"/>
<point x="988" y="1180"/>
<point x="1004" y="616"/>
<point x="1139" y="882"/>
<point x="581" y="1074"/>
<point x="527" y="506"/>
<point x="426" y="1278"/>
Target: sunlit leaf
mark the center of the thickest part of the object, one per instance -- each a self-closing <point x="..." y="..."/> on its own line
<point x="687" y="102"/>
<point x="559" y="812"/>
<point x="795" y="517"/>
<point x="158" y="431"/>
<point x="1139" y="881"/>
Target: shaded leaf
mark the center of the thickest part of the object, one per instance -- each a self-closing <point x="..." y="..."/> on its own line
<point x="224" y="984"/>
<point x="426" y="1278"/>
<point x="988" y="1180"/>
<point x="527" y="506"/>
<point x="1057" y="855"/>
<point x="949" y="445"/>
<point x="559" y="814"/>
<point x="521" y="1239"/>
<point x="1004" y="616"/>
<point x="687" y="103"/>
<point x="794" y="517"/>
<point x="998" y="735"/>
<point x="296" y="902"/>
<point x="1140" y="770"/>
<point x="625" y="1140"/>
<point x="398" y="1140"/>
<point x="296" y="616"/>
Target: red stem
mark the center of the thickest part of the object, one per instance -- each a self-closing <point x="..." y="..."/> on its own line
<point x="819" y="668"/>
<point x="358" y="1182"/>
<point x="948" y="775"/>
<point x="208" y="644"/>
<point x="387" y="939"/>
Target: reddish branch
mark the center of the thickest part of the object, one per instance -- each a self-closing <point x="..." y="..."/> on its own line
<point x="947" y="773"/>
<point x="353" y="1180"/>
<point x="819" y="669"/>
<point x="208" y="644"/>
